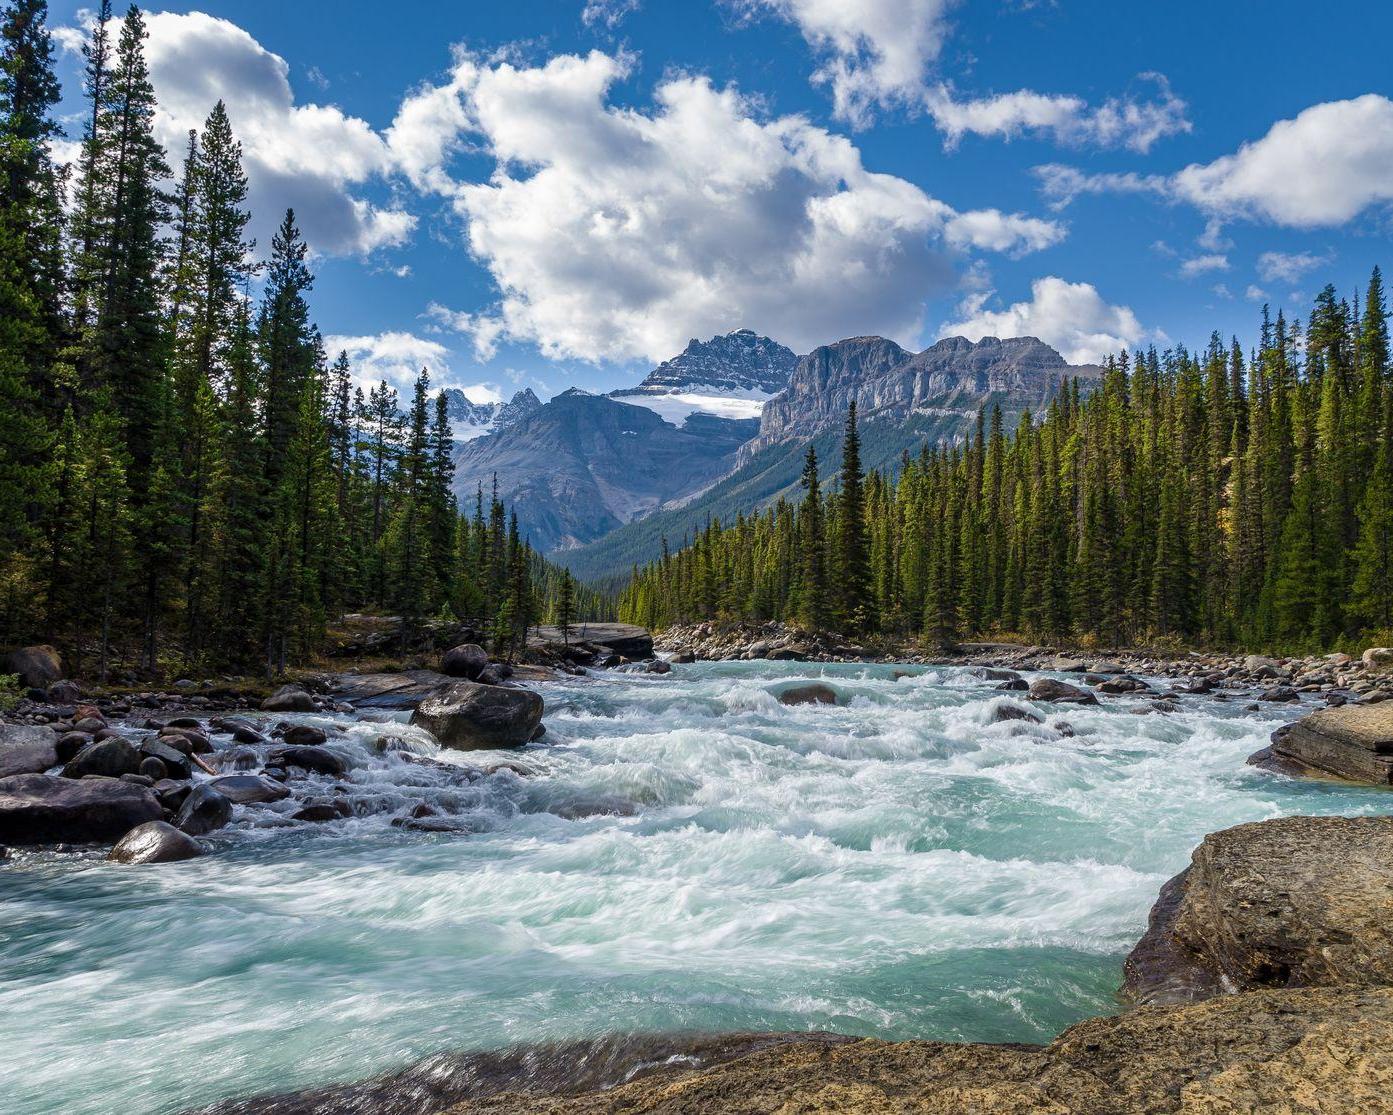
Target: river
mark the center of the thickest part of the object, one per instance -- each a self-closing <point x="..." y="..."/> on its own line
<point x="683" y="853"/>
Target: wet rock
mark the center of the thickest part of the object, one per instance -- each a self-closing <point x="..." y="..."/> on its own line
<point x="138" y="779"/>
<point x="794" y="652"/>
<point x="990" y="673"/>
<point x="1280" y="694"/>
<point x="658" y="666"/>
<point x="1125" y="684"/>
<point x="683" y="658"/>
<point x="1293" y="902"/>
<point x="27" y="749"/>
<point x="185" y="722"/>
<point x="1060" y="692"/>
<point x="187" y="740"/>
<point x="89" y="724"/>
<point x="1014" y="685"/>
<point x="1008" y="711"/>
<point x="110" y="757"/>
<point x="320" y="760"/>
<point x="303" y="735"/>
<point x="175" y="763"/>
<point x="155" y="842"/>
<point x="172" y="794"/>
<point x="468" y="716"/>
<point x="289" y="698"/>
<point x="321" y="811"/>
<point x="247" y="734"/>
<point x="813" y="693"/>
<point x="63" y="693"/>
<point x="43" y="809"/>
<point x="204" y="810"/>
<point x="248" y="789"/>
<point x="1352" y="741"/>
<point x="238" y="758"/>
<point x="492" y="674"/>
<point x="69" y="744"/>
<point x="153" y="769"/>
<point x="466" y="661"/>
<point x="38" y="667"/>
<point x="580" y="807"/>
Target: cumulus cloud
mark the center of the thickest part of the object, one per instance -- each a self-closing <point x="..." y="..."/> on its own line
<point x="308" y="156"/>
<point x="618" y="233"/>
<point x="609" y="13"/>
<point x="1071" y="317"/>
<point x="1320" y="169"/>
<point x="1203" y="265"/>
<point x="1288" y="267"/>
<point x="395" y="356"/>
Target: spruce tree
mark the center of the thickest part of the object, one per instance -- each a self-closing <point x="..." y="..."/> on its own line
<point x="856" y="606"/>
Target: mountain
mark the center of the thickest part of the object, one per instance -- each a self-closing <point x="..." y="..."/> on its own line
<point x="904" y="401"/>
<point x="731" y="377"/>
<point x="470" y="420"/>
<point x="581" y="465"/>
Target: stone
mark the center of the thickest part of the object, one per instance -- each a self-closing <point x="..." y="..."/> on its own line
<point x="172" y="794"/>
<point x="203" y="810"/>
<point x="467" y="661"/>
<point x="320" y="760"/>
<point x="27" y="749"/>
<point x="69" y="744"/>
<point x="319" y="811"/>
<point x="1349" y="741"/>
<point x="1050" y="689"/>
<point x="109" y="757"/>
<point x="1280" y="694"/>
<point x="1292" y="902"/>
<point x="248" y="789"/>
<point x="619" y="638"/>
<point x="792" y="653"/>
<point x="1014" y="685"/>
<point x="1261" y="665"/>
<point x="38" y="667"/>
<point x="175" y="763"/>
<point x="44" y="809"/>
<point x="289" y="698"/>
<point x="89" y="724"/>
<point x="1378" y="659"/>
<point x="469" y="716"/>
<point x="814" y="693"/>
<point x="155" y="842"/>
<point x="153" y="769"/>
<point x="63" y="693"/>
<point x="683" y="658"/>
<point x="658" y="666"/>
<point x="304" y="735"/>
<point x="1008" y="711"/>
<point x="492" y="674"/>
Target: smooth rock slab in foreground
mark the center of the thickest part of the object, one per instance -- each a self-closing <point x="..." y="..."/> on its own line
<point x="41" y="809"/>
<point x="1352" y="741"/>
<point x="1293" y="902"/>
<point x="469" y="716"/>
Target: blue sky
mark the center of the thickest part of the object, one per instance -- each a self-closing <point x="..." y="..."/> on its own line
<point x="559" y="192"/>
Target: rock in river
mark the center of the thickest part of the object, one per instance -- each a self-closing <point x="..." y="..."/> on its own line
<point x="289" y="698"/>
<point x="1293" y="902"/>
<point x="26" y="749"/>
<point x="1349" y="741"/>
<point x="110" y="757"/>
<point x="320" y="760"/>
<point x="469" y="716"/>
<point x="203" y="811"/>
<point x="814" y="693"/>
<point x="155" y="842"/>
<point x="42" y="809"/>
<point x="467" y="661"/>
<point x="248" y="789"/>
<point x="1049" y="689"/>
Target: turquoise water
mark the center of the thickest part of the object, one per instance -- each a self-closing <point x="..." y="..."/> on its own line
<point x="895" y="866"/>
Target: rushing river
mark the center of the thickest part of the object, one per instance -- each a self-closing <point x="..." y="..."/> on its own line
<point x="686" y="854"/>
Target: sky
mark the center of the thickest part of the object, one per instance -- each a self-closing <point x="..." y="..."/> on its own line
<point x="556" y="193"/>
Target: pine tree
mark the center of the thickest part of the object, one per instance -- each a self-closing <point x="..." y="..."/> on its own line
<point x="812" y="609"/>
<point x="857" y="608"/>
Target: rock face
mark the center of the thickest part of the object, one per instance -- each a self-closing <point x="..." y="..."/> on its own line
<point x="1352" y="741"/>
<point x="742" y="361"/>
<point x="469" y="716"/>
<point x="38" y="667"/>
<point x="26" y="749"/>
<point x="42" y="809"/>
<point x="1294" y="902"/>
<point x="155" y="842"/>
<point x="471" y="420"/>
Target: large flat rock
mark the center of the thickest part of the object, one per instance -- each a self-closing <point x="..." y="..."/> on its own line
<point x="27" y="749"/>
<point x="389" y="691"/>
<point x="619" y="638"/>
<point x="1353" y="742"/>
<point x="42" y="809"/>
<point x="1293" y="902"/>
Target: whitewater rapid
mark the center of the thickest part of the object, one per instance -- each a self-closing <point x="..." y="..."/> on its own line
<point x="682" y="852"/>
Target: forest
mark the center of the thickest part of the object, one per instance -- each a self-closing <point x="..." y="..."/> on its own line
<point x="187" y="478"/>
<point x="1211" y="498"/>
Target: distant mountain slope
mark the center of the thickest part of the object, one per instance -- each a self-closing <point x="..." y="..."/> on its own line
<point x="469" y="420"/>
<point x="581" y="465"/>
<point x="730" y="376"/>
<point x="905" y="400"/>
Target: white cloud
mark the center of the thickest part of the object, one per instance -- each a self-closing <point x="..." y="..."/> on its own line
<point x="1285" y="267"/>
<point x="618" y="233"/>
<point x="1255" y="293"/>
<point x="396" y="357"/>
<point x="1222" y="291"/>
<point x="308" y="156"/>
<point x="1119" y="122"/>
<point x="1203" y="265"/>
<point x="608" y="12"/>
<point x="1071" y="317"/>
<point x="1323" y="168"/>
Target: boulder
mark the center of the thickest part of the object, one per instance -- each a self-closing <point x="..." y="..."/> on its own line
<point x="151" y="768"/>
<point x="624" y="639"/>
<point x="1292" y="902"/>
<point x="814" y="693"/>
<point x="1061" y="692"/>
<point x="248" y="789"/>
<point x="203" y="810"/>
<point x="289" y="698"/>
<point x="319" y="811"/>
<point x="174" y="761"/>
<point x="69" y="744"/>
<point x="27" y="749"/>
<point x="469" y="716"/>
<point x="465" y="661"/>
<point x="155" y="842"/>
<point x="1354" y="742"/>
<point x="63" y="693"/>
<point x="683" y="658"/>
<point x="1378" y="659"/>
<point x="320" y="760"/>
<point x="658" y="666"/>
<point x="1014" y="685"/>
<point x="42" y="809"/>
<point x="1008" y="711"/>
<point x="109" y="757"/>
<point x="304" y="735"/>
<point x="38" y="667"/>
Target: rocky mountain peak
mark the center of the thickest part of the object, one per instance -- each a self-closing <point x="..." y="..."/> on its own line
<point x="740" y="361"/>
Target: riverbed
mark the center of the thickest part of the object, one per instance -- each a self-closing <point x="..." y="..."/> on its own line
<point x="681" y="852"/>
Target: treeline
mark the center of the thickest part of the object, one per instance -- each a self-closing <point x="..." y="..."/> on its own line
<point x="185" y="477"/>
<point x="1202" y="497"/>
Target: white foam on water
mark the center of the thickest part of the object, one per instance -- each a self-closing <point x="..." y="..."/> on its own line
<point x="681" y="852"/>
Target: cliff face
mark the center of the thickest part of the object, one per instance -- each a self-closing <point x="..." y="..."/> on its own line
<point x="954" y="377"/>
<point x="742" y="361"/>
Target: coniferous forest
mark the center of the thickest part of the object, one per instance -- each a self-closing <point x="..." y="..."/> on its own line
<point x="1214" y="498"/>
<point x="186" y="476"/>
